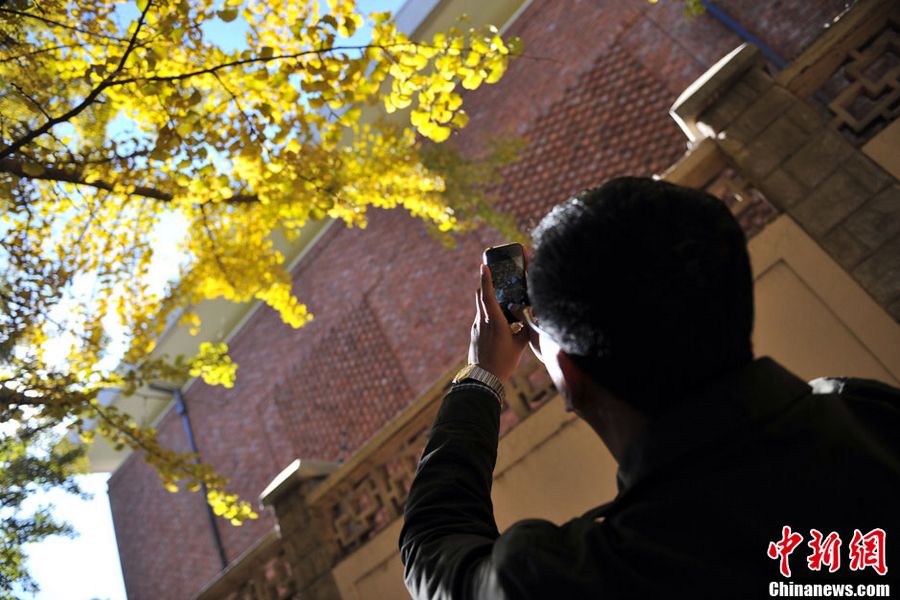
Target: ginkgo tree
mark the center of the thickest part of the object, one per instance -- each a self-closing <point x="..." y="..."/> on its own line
<point x="114" y="117"/>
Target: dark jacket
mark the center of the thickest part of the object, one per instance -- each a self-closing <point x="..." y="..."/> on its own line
<point x="701" y="496"/>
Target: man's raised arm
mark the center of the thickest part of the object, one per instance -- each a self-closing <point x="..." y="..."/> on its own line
<point x="449" y="530"/>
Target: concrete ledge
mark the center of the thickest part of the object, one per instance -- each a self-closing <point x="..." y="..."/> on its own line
<point x="236" y="573"/>
<point x="701" y="94"/>
<point x="296" y="473"/>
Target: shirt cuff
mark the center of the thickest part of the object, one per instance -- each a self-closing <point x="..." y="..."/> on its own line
<point x="474" y="384"/>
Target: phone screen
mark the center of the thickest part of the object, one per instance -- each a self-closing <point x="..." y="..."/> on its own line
<point x="507" y="264"/>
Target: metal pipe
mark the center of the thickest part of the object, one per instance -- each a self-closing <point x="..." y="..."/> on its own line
<point x="726" y="19"/>
<point x="181" y="408"/>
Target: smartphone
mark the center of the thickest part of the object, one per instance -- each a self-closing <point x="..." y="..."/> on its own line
<point x="507" y="265"/>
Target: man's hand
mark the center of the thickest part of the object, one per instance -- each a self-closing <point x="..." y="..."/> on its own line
<point x="493" y="346"/>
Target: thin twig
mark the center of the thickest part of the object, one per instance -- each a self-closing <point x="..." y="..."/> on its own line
<point x="48" y="21"/>
<point x="19" y="57"/>
<point x="212" y="242"/>
<point x="259" y="135"/>
<point x="255" y="60"/>
<point x="31" y="99"/>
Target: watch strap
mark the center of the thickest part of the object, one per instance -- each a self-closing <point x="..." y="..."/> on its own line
<point x="483" y="376"/>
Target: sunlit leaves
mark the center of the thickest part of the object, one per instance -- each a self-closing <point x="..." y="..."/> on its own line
<point x="692" y="8"/>
<point x="213" y="365"/>
<point x="426" y="77"/>
<point x="230" y="507"/>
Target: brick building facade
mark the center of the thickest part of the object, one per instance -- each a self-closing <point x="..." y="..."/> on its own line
<point x="392" y="306"/>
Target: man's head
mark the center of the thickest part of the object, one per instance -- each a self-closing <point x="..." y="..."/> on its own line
<point x="646" y="286"/>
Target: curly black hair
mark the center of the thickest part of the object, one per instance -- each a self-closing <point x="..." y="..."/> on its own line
<point x="647" y="285"/>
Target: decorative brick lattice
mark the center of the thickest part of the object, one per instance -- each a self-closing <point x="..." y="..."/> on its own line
<point x="612" y="121"/>
<point x="372" y="495"/>
<point x="364" y="507"/>
<point x="866" y="89"/>
<point x="271" y="581"/>
<point x="336" y="396"/>
<point x="265" y="574"/>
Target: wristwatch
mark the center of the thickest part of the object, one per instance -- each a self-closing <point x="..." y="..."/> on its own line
<point x="483" y="376"/>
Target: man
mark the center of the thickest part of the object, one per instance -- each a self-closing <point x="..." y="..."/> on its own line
<point x="642" y="312"/>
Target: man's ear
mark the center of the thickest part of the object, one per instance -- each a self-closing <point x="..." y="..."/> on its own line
<point x="576" y="380"/>
<point x="573" y="373"/>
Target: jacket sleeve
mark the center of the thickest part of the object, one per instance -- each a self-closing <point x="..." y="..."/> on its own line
<point x="449" y="544"/>
<point x="449" y="528"/>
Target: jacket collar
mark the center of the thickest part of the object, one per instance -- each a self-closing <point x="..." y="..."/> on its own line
<point x="739" y="399"/>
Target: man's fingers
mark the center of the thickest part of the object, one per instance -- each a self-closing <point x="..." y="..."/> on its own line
<point x="491" y="306"/>
<point x="518" y="311"/>
<point x="486" y="283"/>
<point x="479" y="307"/>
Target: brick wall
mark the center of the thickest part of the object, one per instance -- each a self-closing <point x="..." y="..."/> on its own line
<point x="393" y="307"/>
<point x="164" y="539"/>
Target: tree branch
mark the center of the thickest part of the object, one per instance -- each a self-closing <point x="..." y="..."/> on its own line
<point x="138" y="442"/>
<point x="31" y="99"/>
<point x="19" y="57"/>
<point x="91" y="97"/>
<point x="19" y="13"/>
<point x="14" y="167"/>
<point x="10" y="397"/>
<point x="256" y="59"/>
<point x="110" y="80"/>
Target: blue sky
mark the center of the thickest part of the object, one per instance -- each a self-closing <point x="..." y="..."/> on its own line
<point x="87" y="567"/>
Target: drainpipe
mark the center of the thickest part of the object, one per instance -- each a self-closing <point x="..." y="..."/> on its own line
<point x="745" y="35"/>
<point x="182" y="410"/>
